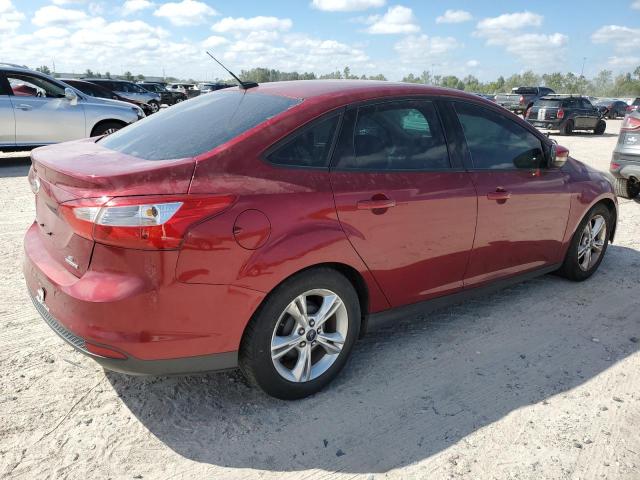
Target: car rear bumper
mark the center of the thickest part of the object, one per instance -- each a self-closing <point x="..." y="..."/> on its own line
<point x="546" y="124"/>
<point x="156" y="325"/>
<point x="627" y="169"/>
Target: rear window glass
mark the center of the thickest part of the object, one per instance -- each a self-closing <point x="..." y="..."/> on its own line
<point x="196" y="126"/>
<point x="636" y="101"/>
<point x="548" y="103"/>
<point x="525" y="90"/>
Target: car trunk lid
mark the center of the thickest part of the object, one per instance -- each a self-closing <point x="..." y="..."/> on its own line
<point x="84" y="170"/>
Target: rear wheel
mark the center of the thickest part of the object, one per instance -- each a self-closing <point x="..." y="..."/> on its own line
<point x="627" y="187"/>
<point x="302" y="335"/>
<point x="588" y="245"/>
<point x="567" y="128"/>
<point x="106" y="128"/>
<point x="601" y="127"/>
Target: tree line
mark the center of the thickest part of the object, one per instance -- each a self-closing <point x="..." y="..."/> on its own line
<point x="604" y="84"/>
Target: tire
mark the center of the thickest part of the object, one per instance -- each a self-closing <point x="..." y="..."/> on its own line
<point x="106" y="128"/>
<point x="626" y="188"/>
<point x="567" y="128"/>
<point x="153" y="106"/>
<point x="178" y="100"/>
<point x="573" y="267"/>
<point x="601" y="127"/>
<point x="277" y="377"/>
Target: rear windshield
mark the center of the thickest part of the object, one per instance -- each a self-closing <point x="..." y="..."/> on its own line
<point x="525" y="90"/>
<point x="196" y="126"/>
<point x="636" y="101"/>
<point x="548" y="103"/>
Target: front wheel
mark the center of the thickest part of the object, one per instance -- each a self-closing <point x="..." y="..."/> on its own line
<point x="153" y="106"/>
<point x="601" y="127"/>
<point x="106" y="128"/>
<point x="302" y="335"/>
<point x="588" y="245"/>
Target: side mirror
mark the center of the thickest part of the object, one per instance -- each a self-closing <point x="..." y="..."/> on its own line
<point x="70" y="95"/>
<point x="559" y="156"/>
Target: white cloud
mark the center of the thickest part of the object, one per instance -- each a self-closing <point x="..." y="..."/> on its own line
<point x="53" y="15"/>
<point x="230" y="24"/>
<point x="623" y="62"/>
<point x="472" y="63"/>
<point x="398" y="19"/>
<point x="509" y="21"/>
<point x="636" y="5"/>
<point x="622" y="38"/>
<point x="67" y="2"/>
<point x="534" y="50"/>
<point x="454" y="16"/>
<point x="346" y="5"/>
<point x="185" y="13"/>
<point x="10" y="17"/>
<point x="422" y="49"/>
<point x="133" y="6"/>
<point x="213" y="41"/>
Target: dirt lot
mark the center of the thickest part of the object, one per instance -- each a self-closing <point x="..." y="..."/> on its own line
<point x="539" y="381"/>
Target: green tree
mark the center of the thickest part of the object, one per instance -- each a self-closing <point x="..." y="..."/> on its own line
<point x="128" y="76"/>
<point x="44" y="69"/>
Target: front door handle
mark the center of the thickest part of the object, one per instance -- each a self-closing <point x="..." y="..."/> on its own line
<point x="499" y="194"/>
<point x="23" y="106"/>
<point x="376" y="204"/>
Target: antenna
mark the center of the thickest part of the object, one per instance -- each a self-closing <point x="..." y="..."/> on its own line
<point x="243" y="85"/>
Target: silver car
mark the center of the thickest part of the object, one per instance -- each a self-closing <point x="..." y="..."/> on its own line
<point x="130" y="91"/>
<point x="625" y="162"/>
<point x="36" y="109"/>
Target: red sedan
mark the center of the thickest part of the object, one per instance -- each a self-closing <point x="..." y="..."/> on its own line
<point x="268" y="227"/>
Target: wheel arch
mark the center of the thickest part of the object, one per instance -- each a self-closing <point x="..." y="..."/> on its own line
<point x="107" y="120"/>
<point x="350" y="273"/>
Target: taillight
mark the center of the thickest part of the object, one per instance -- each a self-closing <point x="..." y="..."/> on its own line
<point x="521" y="99"/>
<point x="560" y="113"/>
<point x="156" y="223"/>
<point x="630" y="123"/>
<point x="614" y="166"/>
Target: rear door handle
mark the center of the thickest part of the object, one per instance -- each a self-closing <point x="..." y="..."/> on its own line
<point x="499" y="194"/>
<point x="375" y="204"/>
<point x="23" y="106"/>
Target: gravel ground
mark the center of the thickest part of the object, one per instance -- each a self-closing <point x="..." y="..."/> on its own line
<point x="539" y="381"/>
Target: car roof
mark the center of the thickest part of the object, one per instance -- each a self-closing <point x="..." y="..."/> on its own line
<point x="352" y="90"/>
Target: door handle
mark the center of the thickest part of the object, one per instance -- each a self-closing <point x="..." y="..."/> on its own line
<point x="376" y="204"/>
<point x="499" y="194"/>
<point x="23" y="106"/>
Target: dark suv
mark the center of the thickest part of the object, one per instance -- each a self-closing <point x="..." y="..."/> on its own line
<point x="131" y="91"/>
<point x="167" y="97"/>
<point x="566" y="113"/>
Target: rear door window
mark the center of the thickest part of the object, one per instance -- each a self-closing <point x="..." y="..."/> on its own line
<point x="308" y="148"/>
<point x="191" y="128"/>
<point x="496" y="142"/>
<point x="400" y="135"/>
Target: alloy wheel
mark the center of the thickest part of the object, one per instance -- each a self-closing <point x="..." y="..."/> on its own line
<point x="309" y="335"/>
<point x="592" y="242"/>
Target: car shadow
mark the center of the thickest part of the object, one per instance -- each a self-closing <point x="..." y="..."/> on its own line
<point x="12" y="165"/>
<point x="412" y="390"/>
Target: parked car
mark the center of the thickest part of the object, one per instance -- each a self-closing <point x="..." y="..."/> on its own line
<point x="211" y="87"/>
<point x="130" y="91"/>
<point x="566" y="114"/>
<point x="189" y="89"/>
<point x="167" y="97"/>
<point x="521" y="98"/>
<point x="634" y="106"/>
<point x="625" y="162"/>
<point x="612" y="108"/>
<point x="487" y="96"/>
<point x="36" y="109"/>
<point x="276" y="224"/>
<point x="98" y="91"/>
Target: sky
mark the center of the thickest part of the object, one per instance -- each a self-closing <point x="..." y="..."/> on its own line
<point x="483" y="38"/>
